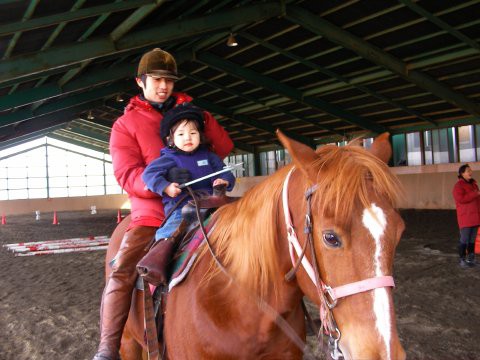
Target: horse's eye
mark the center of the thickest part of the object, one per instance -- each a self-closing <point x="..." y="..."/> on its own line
<point x="331" y="239"/>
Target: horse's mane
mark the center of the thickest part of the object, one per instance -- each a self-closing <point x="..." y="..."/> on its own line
<point x="245" y="232"/>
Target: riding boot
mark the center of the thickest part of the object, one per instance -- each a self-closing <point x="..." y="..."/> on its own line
<point x="117" y="295"/>
<point x="154" y="266"/>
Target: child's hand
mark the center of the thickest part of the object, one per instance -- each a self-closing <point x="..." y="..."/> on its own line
<point x="220" y="182"/>
<point x="172" y="190"/>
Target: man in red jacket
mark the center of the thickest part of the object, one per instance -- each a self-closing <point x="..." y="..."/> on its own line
<point x="134" y="142"/>
<point x="467" y="201"/>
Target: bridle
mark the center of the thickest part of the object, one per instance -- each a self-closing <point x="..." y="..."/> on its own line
<point x="328" y="296"/>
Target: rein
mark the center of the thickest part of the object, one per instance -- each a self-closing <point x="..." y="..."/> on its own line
<point x="328" y="296"/>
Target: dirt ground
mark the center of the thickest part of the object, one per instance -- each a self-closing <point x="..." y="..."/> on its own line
<point x="49" y="305"/>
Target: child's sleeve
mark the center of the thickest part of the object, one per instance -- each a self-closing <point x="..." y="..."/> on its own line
<point x="155" y="173"/>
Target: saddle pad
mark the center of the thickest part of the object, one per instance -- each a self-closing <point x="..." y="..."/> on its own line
<point x="186" y="257"/>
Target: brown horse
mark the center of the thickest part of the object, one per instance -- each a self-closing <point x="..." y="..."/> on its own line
<point x="339" y="202"/>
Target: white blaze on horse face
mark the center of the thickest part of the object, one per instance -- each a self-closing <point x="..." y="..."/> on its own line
<point x="374" y="220"/>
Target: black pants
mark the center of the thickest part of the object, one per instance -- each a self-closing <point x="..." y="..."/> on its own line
<point x="467" y="241"/>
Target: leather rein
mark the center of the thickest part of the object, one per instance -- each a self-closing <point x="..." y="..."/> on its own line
<point x="328" y="296"/>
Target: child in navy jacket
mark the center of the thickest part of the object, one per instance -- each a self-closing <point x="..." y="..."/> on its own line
<point x="182" y="132"/>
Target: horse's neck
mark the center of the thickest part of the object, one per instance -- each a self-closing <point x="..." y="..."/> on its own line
<point x="227" y="295"/>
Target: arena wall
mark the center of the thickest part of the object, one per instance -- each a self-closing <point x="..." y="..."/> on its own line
<point x="14" y="207"/>
<point x="425" y="187"/>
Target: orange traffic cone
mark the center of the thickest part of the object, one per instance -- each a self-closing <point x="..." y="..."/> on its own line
<point x="119" y="216"/>
<point x="55" y="219"/>
<point x="4" y="219"/>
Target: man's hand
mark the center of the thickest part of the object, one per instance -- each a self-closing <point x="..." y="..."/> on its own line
<point x="178" y="175"/>
<point x="172" y="190"/>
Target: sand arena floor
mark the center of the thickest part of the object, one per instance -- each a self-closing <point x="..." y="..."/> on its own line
<point x="49" y="305"/>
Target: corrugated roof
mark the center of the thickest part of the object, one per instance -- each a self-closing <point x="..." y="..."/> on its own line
<point x="319" y="70"/>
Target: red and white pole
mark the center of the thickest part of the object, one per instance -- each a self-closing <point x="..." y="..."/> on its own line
<point x="61" y="251"/>
<point x="79" y="239"/>
<point x="57" y="246"/>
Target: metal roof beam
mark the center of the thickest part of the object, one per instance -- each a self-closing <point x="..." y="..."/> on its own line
<point x="119" y="31"/>
<point x="89" y="134"/>
<point x="89" y="124"/>
<point x="102" y="123"/>
<point x="60" y="137"/>
<point x="67" y="16"/>
<point x="70" y="101"/>
<point x="244" y="147"/>
<point x="335" y="76"/>
<point x="263" y="105"/>
<point x="28" y="137"/>
<point x="20" y="140"/>
<point x="441" y="24"/>
<point x="444" y="124"/>
<point x="246" y="120"/>
<point x="288" y="91"/>
<point x="322" y="27"/>
<point x="37" y="124"/>
<point x="65" y="55"/>
<point x="60" y="26"/>
<point x="195" y="26"/>
<point x="88" y="80"/>
<point x="16" y="36"/>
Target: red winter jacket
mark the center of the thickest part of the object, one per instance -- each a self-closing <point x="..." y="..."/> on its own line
<point x="467" y="201"/>
<point x="135" y="142"/>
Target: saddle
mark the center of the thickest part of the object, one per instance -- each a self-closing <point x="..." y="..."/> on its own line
<point x="154" y="266"/>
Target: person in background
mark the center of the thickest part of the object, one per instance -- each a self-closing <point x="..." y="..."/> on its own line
<point x="135" y="142"/>
<point x="467" y="202"/>
<point x="187" y="157"/>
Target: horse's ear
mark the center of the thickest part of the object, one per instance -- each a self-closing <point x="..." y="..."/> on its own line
<point x="381" y="147"/>
<point x="302" y="155"/>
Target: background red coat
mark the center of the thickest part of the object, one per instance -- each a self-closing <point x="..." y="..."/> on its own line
<point x="467" y="201"/>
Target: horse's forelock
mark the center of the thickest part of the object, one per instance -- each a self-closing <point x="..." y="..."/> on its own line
<point x="345" y="177"/>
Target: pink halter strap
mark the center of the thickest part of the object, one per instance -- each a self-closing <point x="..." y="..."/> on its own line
<point x="334" y="293"/>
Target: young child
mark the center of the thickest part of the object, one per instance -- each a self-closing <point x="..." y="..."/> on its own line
<point x="188" y="158"/>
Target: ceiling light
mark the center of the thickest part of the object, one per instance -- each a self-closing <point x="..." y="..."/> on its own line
<point x="231" y="41"/>
<point x="90" y="115"/>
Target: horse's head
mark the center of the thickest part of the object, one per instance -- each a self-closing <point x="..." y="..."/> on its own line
<point x="355" y="230"/>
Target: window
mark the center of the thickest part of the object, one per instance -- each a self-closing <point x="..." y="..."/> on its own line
<point x="440" y="146"/>
<point x="271" y="161"/>
<point x="427" y="146"/>
<point x="466" y="143"/>
<point x="414" y="155"/>
<point x="399" y="150"/>
<point x="247" y="168"/>
<point x="46" y="168"/>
